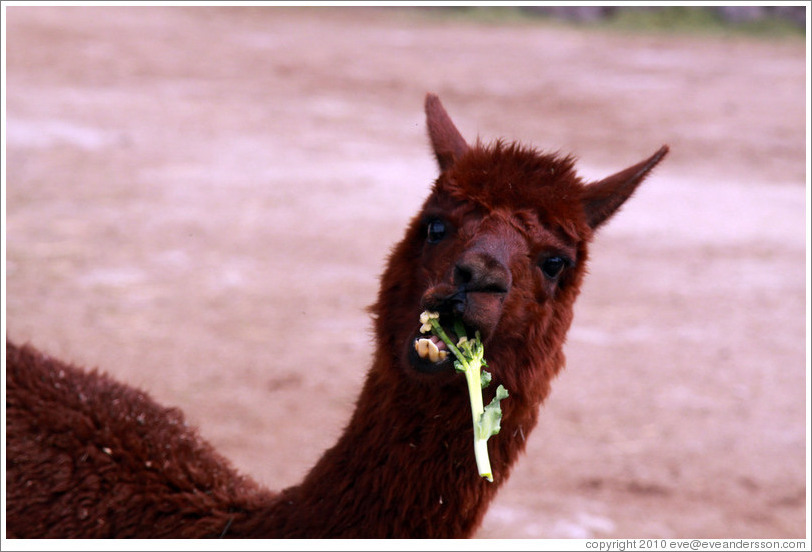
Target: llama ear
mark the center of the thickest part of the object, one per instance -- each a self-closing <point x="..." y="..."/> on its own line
<point x="448" y="143"/>
<point x="602" y="199"/>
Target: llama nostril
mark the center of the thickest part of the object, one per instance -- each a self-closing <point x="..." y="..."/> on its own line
<point x="479" y="273"/>
<point x="462" y="274"/>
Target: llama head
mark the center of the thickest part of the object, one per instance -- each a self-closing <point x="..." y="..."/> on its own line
<point x="502" y="243"/>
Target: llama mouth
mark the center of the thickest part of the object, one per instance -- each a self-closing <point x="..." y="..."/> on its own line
<point x="431" y="348"/>
<point x="429" y="354"/>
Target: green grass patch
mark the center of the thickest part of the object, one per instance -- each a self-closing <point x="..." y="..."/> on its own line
<point x="680" y="20"/>
<point x="697" y="20"/>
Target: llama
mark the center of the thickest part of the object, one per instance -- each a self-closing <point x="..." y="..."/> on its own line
<point x="501" y="241"/>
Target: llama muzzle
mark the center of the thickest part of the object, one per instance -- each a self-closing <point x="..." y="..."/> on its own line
<point x="478" y="310"/>
<point x="479" y="307"/>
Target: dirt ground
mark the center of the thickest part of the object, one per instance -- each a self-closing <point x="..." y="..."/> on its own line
<point x="200" y="201"/>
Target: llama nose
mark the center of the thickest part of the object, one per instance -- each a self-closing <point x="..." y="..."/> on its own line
<point x="481" y="272"/>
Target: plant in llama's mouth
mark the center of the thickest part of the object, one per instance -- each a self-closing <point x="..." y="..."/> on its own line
<point x="470" y="361"/>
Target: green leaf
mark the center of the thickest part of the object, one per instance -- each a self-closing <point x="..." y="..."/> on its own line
<point x="490" y="422"/>
<point x="486" y="379"/>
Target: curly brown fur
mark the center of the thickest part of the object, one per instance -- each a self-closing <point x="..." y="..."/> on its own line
<point x="90" y="457"/>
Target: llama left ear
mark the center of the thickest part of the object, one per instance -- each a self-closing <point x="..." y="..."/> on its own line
<point x="602" y="199"/>
<point x="448" y="143"/>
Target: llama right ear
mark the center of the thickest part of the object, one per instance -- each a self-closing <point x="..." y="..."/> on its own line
<point x="602" y="199"/>
<point x="448" y="143"/>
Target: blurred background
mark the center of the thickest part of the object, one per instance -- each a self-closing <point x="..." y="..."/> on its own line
<point x="200" y="200"/>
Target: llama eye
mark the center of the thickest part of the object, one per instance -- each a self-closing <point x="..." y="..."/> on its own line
<point x="436" y="231"/>
<point x="552" y="266"/>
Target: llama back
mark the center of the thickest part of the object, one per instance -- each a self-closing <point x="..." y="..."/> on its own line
<point x="91" y="457"/>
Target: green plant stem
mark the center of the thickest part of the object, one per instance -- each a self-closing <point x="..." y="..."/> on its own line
<point x="470" y="363"/>
<point x="438" y="330"/>
<point x="483" y="461"/>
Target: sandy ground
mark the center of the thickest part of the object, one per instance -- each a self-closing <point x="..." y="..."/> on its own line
<point x="200" y="201"/>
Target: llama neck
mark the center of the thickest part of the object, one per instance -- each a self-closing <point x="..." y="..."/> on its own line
<point x="404" y="466"/>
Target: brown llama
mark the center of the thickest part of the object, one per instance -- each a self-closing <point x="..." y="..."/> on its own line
<point x="501" y="241"/>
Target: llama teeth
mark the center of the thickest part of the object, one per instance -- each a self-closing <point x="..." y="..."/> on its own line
<point x="422" y="347"/>
<point x="426" y="348"/>
<point x="434" y="352"/>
